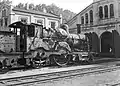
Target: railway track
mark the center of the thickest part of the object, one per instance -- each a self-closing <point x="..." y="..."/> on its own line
<point x="40" y="78"/>
<point x="116" y="84"/>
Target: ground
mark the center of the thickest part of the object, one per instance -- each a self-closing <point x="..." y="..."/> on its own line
<point x="102" y="79"/>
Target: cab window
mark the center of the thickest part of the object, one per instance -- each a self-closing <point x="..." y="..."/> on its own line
<point x="31" y="31"/>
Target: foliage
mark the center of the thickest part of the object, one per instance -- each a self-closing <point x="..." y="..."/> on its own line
<point x="7" y="2"/>
<point x="53" y="9"/>
<point x="67" y="15"/>
<point x="20" y="5"/>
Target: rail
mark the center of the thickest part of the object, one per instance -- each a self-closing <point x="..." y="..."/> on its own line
<point x="25" y="80"/>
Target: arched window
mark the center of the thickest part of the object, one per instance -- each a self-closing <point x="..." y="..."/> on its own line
<point x="31" y="31"/>
<point x="106" y="11"/>
<point x="53" y="25"/>
<point x="6" y="21"/>
<point x="101" y="12"/>
<point x="111" y="10"/>
<point x="82" y="20"/>
<point x="91" y="17"/>
<point x="1" y="22"/>
<point x="4" y="13"/>
<point x="86" y="18"/>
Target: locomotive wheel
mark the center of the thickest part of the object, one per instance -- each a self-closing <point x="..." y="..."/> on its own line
<point x="21" y="61"/>
<point x="37" y="61"/>
<point x="36" y="64"/>
<point x="61" y="60"/>
<point x="6" y="63"/>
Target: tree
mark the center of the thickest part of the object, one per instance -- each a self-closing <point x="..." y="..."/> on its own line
<point x="20" y="5"/>
<point x="5" y="2"/>
<point x="38" y="8"/>
<point x="67" y="15"/>
<point x="31" y="6"/>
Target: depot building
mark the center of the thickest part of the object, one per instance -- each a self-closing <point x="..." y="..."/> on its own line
<point x="101" y="21"/>
<point x="10" y="14"/>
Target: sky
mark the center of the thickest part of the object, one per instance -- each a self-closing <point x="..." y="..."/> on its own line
<point x="73" y="5"/>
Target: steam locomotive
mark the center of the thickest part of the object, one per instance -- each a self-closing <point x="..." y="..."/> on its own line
<point x="34" y="45"/>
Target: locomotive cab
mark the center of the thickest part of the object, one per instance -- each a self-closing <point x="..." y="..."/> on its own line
<point x="23" y="31"/>
<point x="20" y="30"/>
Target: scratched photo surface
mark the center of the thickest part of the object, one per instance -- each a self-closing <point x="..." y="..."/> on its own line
<point x="59" y="42"/>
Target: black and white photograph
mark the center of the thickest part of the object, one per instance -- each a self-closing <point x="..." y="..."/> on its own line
<point x="59" y="42"/>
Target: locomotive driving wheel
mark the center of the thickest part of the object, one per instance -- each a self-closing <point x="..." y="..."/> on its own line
<point x="62" y="59"/>
<point x="39" y="60"/>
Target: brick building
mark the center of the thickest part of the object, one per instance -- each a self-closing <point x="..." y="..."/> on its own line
<point x="101" y="20"/>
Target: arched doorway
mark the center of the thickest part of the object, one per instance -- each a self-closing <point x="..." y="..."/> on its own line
<point x="106" y="42"/>
<point x="95" y="42"/>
